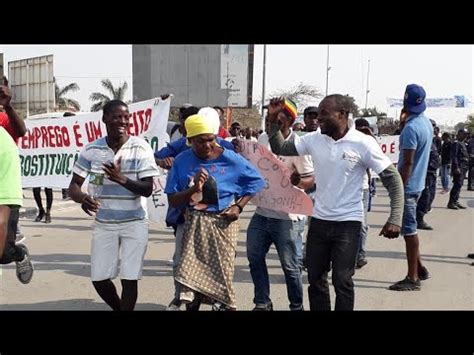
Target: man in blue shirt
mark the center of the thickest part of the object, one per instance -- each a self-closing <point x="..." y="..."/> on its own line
<point x="415" y="146"/>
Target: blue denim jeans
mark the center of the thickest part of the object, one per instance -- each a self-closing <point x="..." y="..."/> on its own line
<point x="364" y="229"/>
<point x="300" y="241"/>
<point x="261" y="234"/>
<point x="445" y="176"/>
<point x="409" y="222"/>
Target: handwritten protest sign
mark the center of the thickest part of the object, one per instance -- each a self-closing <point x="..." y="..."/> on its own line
<point x="279" y="194"/>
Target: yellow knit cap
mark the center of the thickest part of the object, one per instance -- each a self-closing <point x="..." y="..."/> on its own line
<point x="196" y="125"/>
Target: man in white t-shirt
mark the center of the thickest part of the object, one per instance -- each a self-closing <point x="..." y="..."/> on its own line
<point x="282" y="229"/>
<point x="341" y="155"/>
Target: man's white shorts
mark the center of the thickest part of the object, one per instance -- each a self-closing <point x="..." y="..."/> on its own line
<point x="130" y="238"/>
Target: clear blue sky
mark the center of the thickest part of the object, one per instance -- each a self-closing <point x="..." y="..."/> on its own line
<point x="444" y="70"/>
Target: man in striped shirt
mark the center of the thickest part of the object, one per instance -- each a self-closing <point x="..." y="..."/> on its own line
<point x="127" y="167"/>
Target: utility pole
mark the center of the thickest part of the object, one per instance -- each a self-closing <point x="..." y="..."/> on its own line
<point x="367" y="91"/>
<point x="264" y="72"/>
<point x="327" y="71"/>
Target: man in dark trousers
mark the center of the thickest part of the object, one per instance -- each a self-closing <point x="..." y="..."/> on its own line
<point x="459" y="166"/>
<point x="428" y="194"/>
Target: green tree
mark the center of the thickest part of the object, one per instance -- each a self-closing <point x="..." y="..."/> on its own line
<point x="63" y="103"/>
<point x="470" y="122"/>
<point x="300" y="94"/>
<point x="459" y="125"/>
<point x="113" y="93"/>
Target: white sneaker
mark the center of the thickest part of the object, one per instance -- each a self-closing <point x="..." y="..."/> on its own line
<point x="20" y="238"/>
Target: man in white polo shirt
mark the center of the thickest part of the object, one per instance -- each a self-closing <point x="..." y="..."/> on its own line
<point x="341" y="155"/>
<point x="129" y="166"/>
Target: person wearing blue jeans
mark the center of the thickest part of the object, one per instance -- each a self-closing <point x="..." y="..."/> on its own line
<point x="364" y="231"/>
<point x="261" y="234"/>
<point x="429" y="192"/>
<point x="282" y="229"/>
<point x="415" y="147"/>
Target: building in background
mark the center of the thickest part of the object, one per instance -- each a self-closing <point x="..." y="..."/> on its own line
<point x="204" y="75"/>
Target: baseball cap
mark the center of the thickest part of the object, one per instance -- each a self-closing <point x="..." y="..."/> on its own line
<point x="414" y="99"/>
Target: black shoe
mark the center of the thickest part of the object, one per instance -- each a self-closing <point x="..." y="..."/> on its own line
<point x="218" y="307"/>
<point x="406" y="285"/>
<point x="195" y="304"/>
<point x="361" y="263"/>
<point x="297" y="309"/>
<point x="47" y="218"/>
<point x="174" y="305"/>
<point x="452" y="206"/>
<point x="423" y="274"/>
<point x="423" y="225"/>
<point x="39" y="217"/>
<point x="460" y="206"/>
<point x="470" y="256"/>
<point x="263" y="307"/>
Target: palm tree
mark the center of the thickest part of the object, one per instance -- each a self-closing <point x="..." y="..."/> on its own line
<point x="102" y="99"/>
<point x="64" y="103"/>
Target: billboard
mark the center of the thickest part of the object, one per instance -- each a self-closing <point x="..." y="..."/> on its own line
<point x="32" y="84"/>
<point x="456" y="101"/>
<point x="235" y="65"/>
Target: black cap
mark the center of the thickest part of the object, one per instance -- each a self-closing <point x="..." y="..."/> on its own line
<point x="463" y="130"/>
<point x="310" y="109"/>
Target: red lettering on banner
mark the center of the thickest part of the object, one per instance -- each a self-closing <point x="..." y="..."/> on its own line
<point x="135" y="125"/>
<point x="36" y="137"/>
<point x="97" y="129"/>
<point x="65" y="136"/>
<point x="24" y="139"/>
<point x="392" y="147"/>
<point x="384" y="148"/>
<point x="148" y="113"/>
<point x="59" y="138"/>
<point x="44" y="137"/>
<point x="130" y="124"/>
<point x="142" y="123"/>
<point x="77" y="135"/>
<point x="50" y="136"/>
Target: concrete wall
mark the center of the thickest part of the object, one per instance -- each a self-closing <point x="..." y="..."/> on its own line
<point x="190" y="72"/>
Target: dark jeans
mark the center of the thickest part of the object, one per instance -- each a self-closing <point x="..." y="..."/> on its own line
<point x="333" y="243"/>
<point x="12" y="252"/>
<point x="427" y="196"/>
<point x="470" y="177"/>
<point x="458" y="181"/>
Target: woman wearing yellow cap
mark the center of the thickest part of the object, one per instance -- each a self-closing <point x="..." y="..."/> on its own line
<point x="212" y="184"/>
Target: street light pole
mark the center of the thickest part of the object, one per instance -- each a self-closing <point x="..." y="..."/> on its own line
<point x="263" y="78"/>
<point x="327" y="71"/>
<point x="367" y="91"/>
